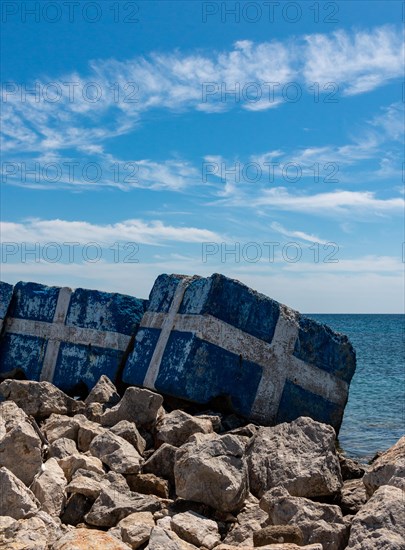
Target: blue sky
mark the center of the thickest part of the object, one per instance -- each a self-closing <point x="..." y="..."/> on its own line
<point x="266" y="144"/>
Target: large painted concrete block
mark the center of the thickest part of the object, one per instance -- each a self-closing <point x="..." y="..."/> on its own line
<point x="207" y="338"/>
<point x="67" y="337"/>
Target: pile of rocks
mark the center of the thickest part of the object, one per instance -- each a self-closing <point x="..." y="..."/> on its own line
<point x="119" y="473"/>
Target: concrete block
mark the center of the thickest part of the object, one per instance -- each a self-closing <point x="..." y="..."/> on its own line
<point x="207" y="338"/>
<point x="68" y="337"/>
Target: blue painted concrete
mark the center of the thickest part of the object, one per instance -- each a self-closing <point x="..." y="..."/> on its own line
<point x="25" y="353"/>
<point x="296" y="402"/>
<point x="318" y="345"/>
<point x="75" y="363"/>
<point x="78" y="365"/>
<point x="105" y="311"/>
<point x="6" y="293"/>
<point x="34" y="301"/>
<point x="199" y="371"/>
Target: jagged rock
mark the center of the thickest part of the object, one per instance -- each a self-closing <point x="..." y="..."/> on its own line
<point x="389" y="464"/>
<point x="273" y="534"/>
<point x="84" y="539"/>
<point x="135" y="529"/>
<point x="128" y="430"/>
<point x="353" y="496"/>
<point x="39" y="399"/>
<point x="88" y="430"/>
<point x="137" y="405"/>
<point x="112" y="506"/>
<point x="214" y="418"/>
<point x="299" y="456"/>
<point x="251" y="518"/>
<point x="16" y="501"/>
<point x="196" y="529"/>
<point x="49" y="487"/>
<point x="318" y="522"/>
<point x="72" y="463"/>
<point x="350" y="468"/>
<point x="87" y="483"/>
<point x="90" y="484"/>
<point x="164" y="539"/>
<point x="62" y="447"/>
<point x="211" y="469"/>
<point x="58" y="426"/>
<point x="20" y="445"/>
<point x="103" y="392"/>
<point x="176" y="427"/>
<point x="94" y="412"/>
<point x="76" y="508"/>
<point x="116" y="453"/>
<point x="10" y="416"/>
<point x="380" y="523"/>
<point x="25" y="534"/>
<point x="149" y="484"/>
<point x="161" y="463"/>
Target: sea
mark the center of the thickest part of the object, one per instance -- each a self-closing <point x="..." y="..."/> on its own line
<point x="374" y="417"/>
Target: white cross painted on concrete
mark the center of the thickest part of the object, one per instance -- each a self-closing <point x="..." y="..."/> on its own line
<point x="276" y="359"/>
<point x="57" y="332"/>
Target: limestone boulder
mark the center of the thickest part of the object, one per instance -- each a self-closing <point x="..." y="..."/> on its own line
<point x="319" y="522"/>
<point x="212" y="469"/>
<point x="114" y="451"/>
<point x="103" y="392"/>
<point x="62" y="447"/>
<point x="389" y="464"/>
<point x="49" y="487"/>
<point x="16" y="501"/>
<point x="299" y="456"/>
<point x="196" y="529"/>
<point x="135" y="529"/>
<point x="71" y="463"/>
<point x="137" y="405"/>
<point x="165" y="539"/>
<point x="84" y="539"/>
<point x="176" y="427"/>
<point x="39" y="399"/>
<point x="161" y="462"/>
<point x="149" y="484"/>
<point x="20" y="445"/>
<point x="112" y="506"/>
<point x="380" y="523"/>
<point x="250" y="519"/>
<point x="129" y="432"/>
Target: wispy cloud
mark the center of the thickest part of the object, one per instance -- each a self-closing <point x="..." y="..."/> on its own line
<point x="301" y="235"/>
<point x="85" y="110"/>
<point x="138" y="231"/>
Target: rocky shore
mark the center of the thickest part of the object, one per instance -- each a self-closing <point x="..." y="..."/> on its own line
<point x="135" y="472"/>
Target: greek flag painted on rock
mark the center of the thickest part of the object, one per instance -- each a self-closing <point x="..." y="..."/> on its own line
<point x="66" y="337"/>
<point x="204" y="338"/>
<point x="196" y="338"/>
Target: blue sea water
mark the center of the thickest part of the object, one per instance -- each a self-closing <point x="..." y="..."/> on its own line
<point x="374" y="418"/>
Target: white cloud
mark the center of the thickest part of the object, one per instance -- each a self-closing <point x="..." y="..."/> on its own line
<point x="138" y="231"/>
<point x="358" y="62"/>
<point x="296" y="234"/>
<point x="326" y="203"/>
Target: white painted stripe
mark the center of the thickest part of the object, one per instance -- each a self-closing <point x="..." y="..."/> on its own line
<point x="52" y="347"/>
<point x="276" y="358"/>
<point x="69" y="334"/>
<point x="166" y="328"/>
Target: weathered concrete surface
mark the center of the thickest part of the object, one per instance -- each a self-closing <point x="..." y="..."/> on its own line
<point x="66" y="337"/>
<point x="275" y="364"/>
<point x="203" y="338"/>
